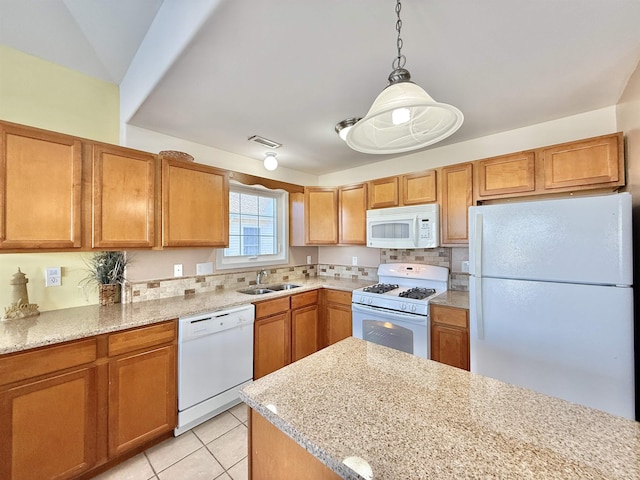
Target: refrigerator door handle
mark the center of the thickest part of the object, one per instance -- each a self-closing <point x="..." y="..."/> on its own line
<point x="478" y="274"/>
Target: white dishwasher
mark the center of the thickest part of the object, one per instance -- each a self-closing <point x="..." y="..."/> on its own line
<point x="215" y="359"/>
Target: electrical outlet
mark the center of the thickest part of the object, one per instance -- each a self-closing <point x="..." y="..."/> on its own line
<point x="354" y="260"/>
<point x="177" y="270"/>
<point x="308" y="259"/>
<point x="204" y="268"/>
<point x="53" y="277"/>
<point x="465" y="267"/>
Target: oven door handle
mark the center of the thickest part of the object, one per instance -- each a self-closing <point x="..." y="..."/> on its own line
<point x="390" y="314"/>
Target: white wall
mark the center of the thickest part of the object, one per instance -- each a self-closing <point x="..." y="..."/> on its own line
<point x="576" y="127"/>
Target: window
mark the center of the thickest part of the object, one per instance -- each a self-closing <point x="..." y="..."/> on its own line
<point x="258" y="230"/>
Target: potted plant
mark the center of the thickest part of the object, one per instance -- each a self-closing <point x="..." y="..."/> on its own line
<point x="106" y="271"/>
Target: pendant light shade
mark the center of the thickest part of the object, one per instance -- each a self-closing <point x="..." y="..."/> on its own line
<point x="403" y="117"/>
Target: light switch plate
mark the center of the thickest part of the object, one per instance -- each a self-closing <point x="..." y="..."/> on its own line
<point x="354" y="260"/>
<point x="177" y="270"/>
<point x="308" y="259"/>
<point x="465" y="267"/>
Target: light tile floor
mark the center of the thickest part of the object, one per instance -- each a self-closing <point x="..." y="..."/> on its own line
<point x="214" y="450"/>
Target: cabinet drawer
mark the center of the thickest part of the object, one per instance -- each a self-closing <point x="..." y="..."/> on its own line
<point x="143" y="337"/>
<point x="455" y="317"/>
<point x="302" y="299"/>
<point x="20" y="366"/>
<point x="271" y="307"/>
<point x="338" y="296"/>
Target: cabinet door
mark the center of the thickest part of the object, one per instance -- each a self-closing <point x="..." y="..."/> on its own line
<point x="353" y="214"/>
<point x="321" y="215"/>
<point x="450" y="346"/>
<point x="506" y="175"/>
<point x="450" y="335"/>
<point x="124" y="189"/>
<point x="195" y="205"/>
<point x="384" y="192"/>
<point x="49" y="427"/>
<point x="304" y="332"/>
<point x="338" y="320"/>
<point x="418" y="188"/>
<point x="271" y="344"/>
<point x="296" y="219"/>
<point x="457" y="189"/>
<point x="40" y="191"/>
<point x="594" y="162"/>
<point x="142" y="397"/>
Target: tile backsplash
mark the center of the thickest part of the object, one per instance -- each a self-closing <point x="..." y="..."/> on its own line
<point x="175" y="287"/>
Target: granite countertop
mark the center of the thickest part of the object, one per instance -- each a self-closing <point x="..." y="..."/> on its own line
<point x="412" y="418"/>
<point x="58" y="326"/>
<point x="452" y="298"/>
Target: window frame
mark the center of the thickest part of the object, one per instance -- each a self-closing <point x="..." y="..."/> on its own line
<point x="282" y="229"/>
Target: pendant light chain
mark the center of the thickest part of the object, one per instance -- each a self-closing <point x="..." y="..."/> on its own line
<point x="400" y="60"/>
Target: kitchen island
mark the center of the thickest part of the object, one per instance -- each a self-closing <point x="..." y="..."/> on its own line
<point x="366" y="411"/>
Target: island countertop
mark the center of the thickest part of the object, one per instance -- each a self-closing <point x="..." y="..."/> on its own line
<point x="411" y="418"/>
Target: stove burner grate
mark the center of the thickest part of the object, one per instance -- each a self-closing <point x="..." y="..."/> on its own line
<point x="380" y="288"/>
<point x="417" y="293"/>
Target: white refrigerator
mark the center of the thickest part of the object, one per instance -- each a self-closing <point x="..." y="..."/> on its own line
<point x="551" y="298"/>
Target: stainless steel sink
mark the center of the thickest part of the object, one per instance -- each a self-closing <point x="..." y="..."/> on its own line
<point x="256" y="291"/>
<point x="283" y="286"/>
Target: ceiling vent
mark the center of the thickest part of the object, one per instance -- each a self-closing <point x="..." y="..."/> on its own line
<point x="264" y="141"/>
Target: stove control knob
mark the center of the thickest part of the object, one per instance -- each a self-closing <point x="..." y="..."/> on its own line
<point x="413" y="308"/>
<point x="404" y="306"/>
<point x="369" y="301"/>
<point x="361" y="299"/>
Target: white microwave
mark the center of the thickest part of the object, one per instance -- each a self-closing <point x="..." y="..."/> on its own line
<point x="416" y="226"/>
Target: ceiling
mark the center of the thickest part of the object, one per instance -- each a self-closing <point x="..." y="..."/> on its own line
<point x="218" y="71"/>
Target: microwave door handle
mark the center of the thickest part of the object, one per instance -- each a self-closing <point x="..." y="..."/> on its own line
<point x="416" y="230"/>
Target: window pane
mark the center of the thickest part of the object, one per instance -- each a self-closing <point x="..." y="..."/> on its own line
<point x="234" y="224"/>
<point x="234" y="202"/>
<point x="248" y="204"/>
<point x="267" y="226"/>
<point x="267" y="206"/>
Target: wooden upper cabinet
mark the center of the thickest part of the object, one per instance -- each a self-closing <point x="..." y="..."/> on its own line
<point x="384" y="192"/>
<point x="353" y="214"/>
<point x="507" y="174"/>
<point x="195" y="205"/>
<point x="123" y="197"/>
<point x="40" y="189"/>
<point x="321" y="215"/>
<point x="593" y="162"/>
<point x="418" y="188"/>
<point x="456" y="186"/>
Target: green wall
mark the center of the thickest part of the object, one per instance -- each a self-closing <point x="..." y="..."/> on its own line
<point x="45" y="95"/>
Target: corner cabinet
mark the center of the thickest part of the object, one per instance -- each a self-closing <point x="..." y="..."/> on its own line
<point x="123" y="197"/>
<point x="40" y="189"/>
<point x="195" y="205"/>
<point x="456" y="187"/>
<point x="450" y="335"/>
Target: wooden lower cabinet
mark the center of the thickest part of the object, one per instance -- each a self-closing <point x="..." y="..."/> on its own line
<point x="305" y="326"/>
<point x="49" y="427"/>
<point x="70" y="408"/>
<point x="286" y="329"/>
<point x="272" y="454"/>
<point x="450" y="335"/>
<point x="142" y="398"/>
<point x="337" y="315"/>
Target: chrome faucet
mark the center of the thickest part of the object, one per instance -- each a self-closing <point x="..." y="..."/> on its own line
<point x="260" y="277"/>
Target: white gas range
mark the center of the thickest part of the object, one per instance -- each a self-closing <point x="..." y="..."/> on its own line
<point x="395" y="312"/>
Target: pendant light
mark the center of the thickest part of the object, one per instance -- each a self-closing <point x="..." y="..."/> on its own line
<point x="403" y="117"/>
